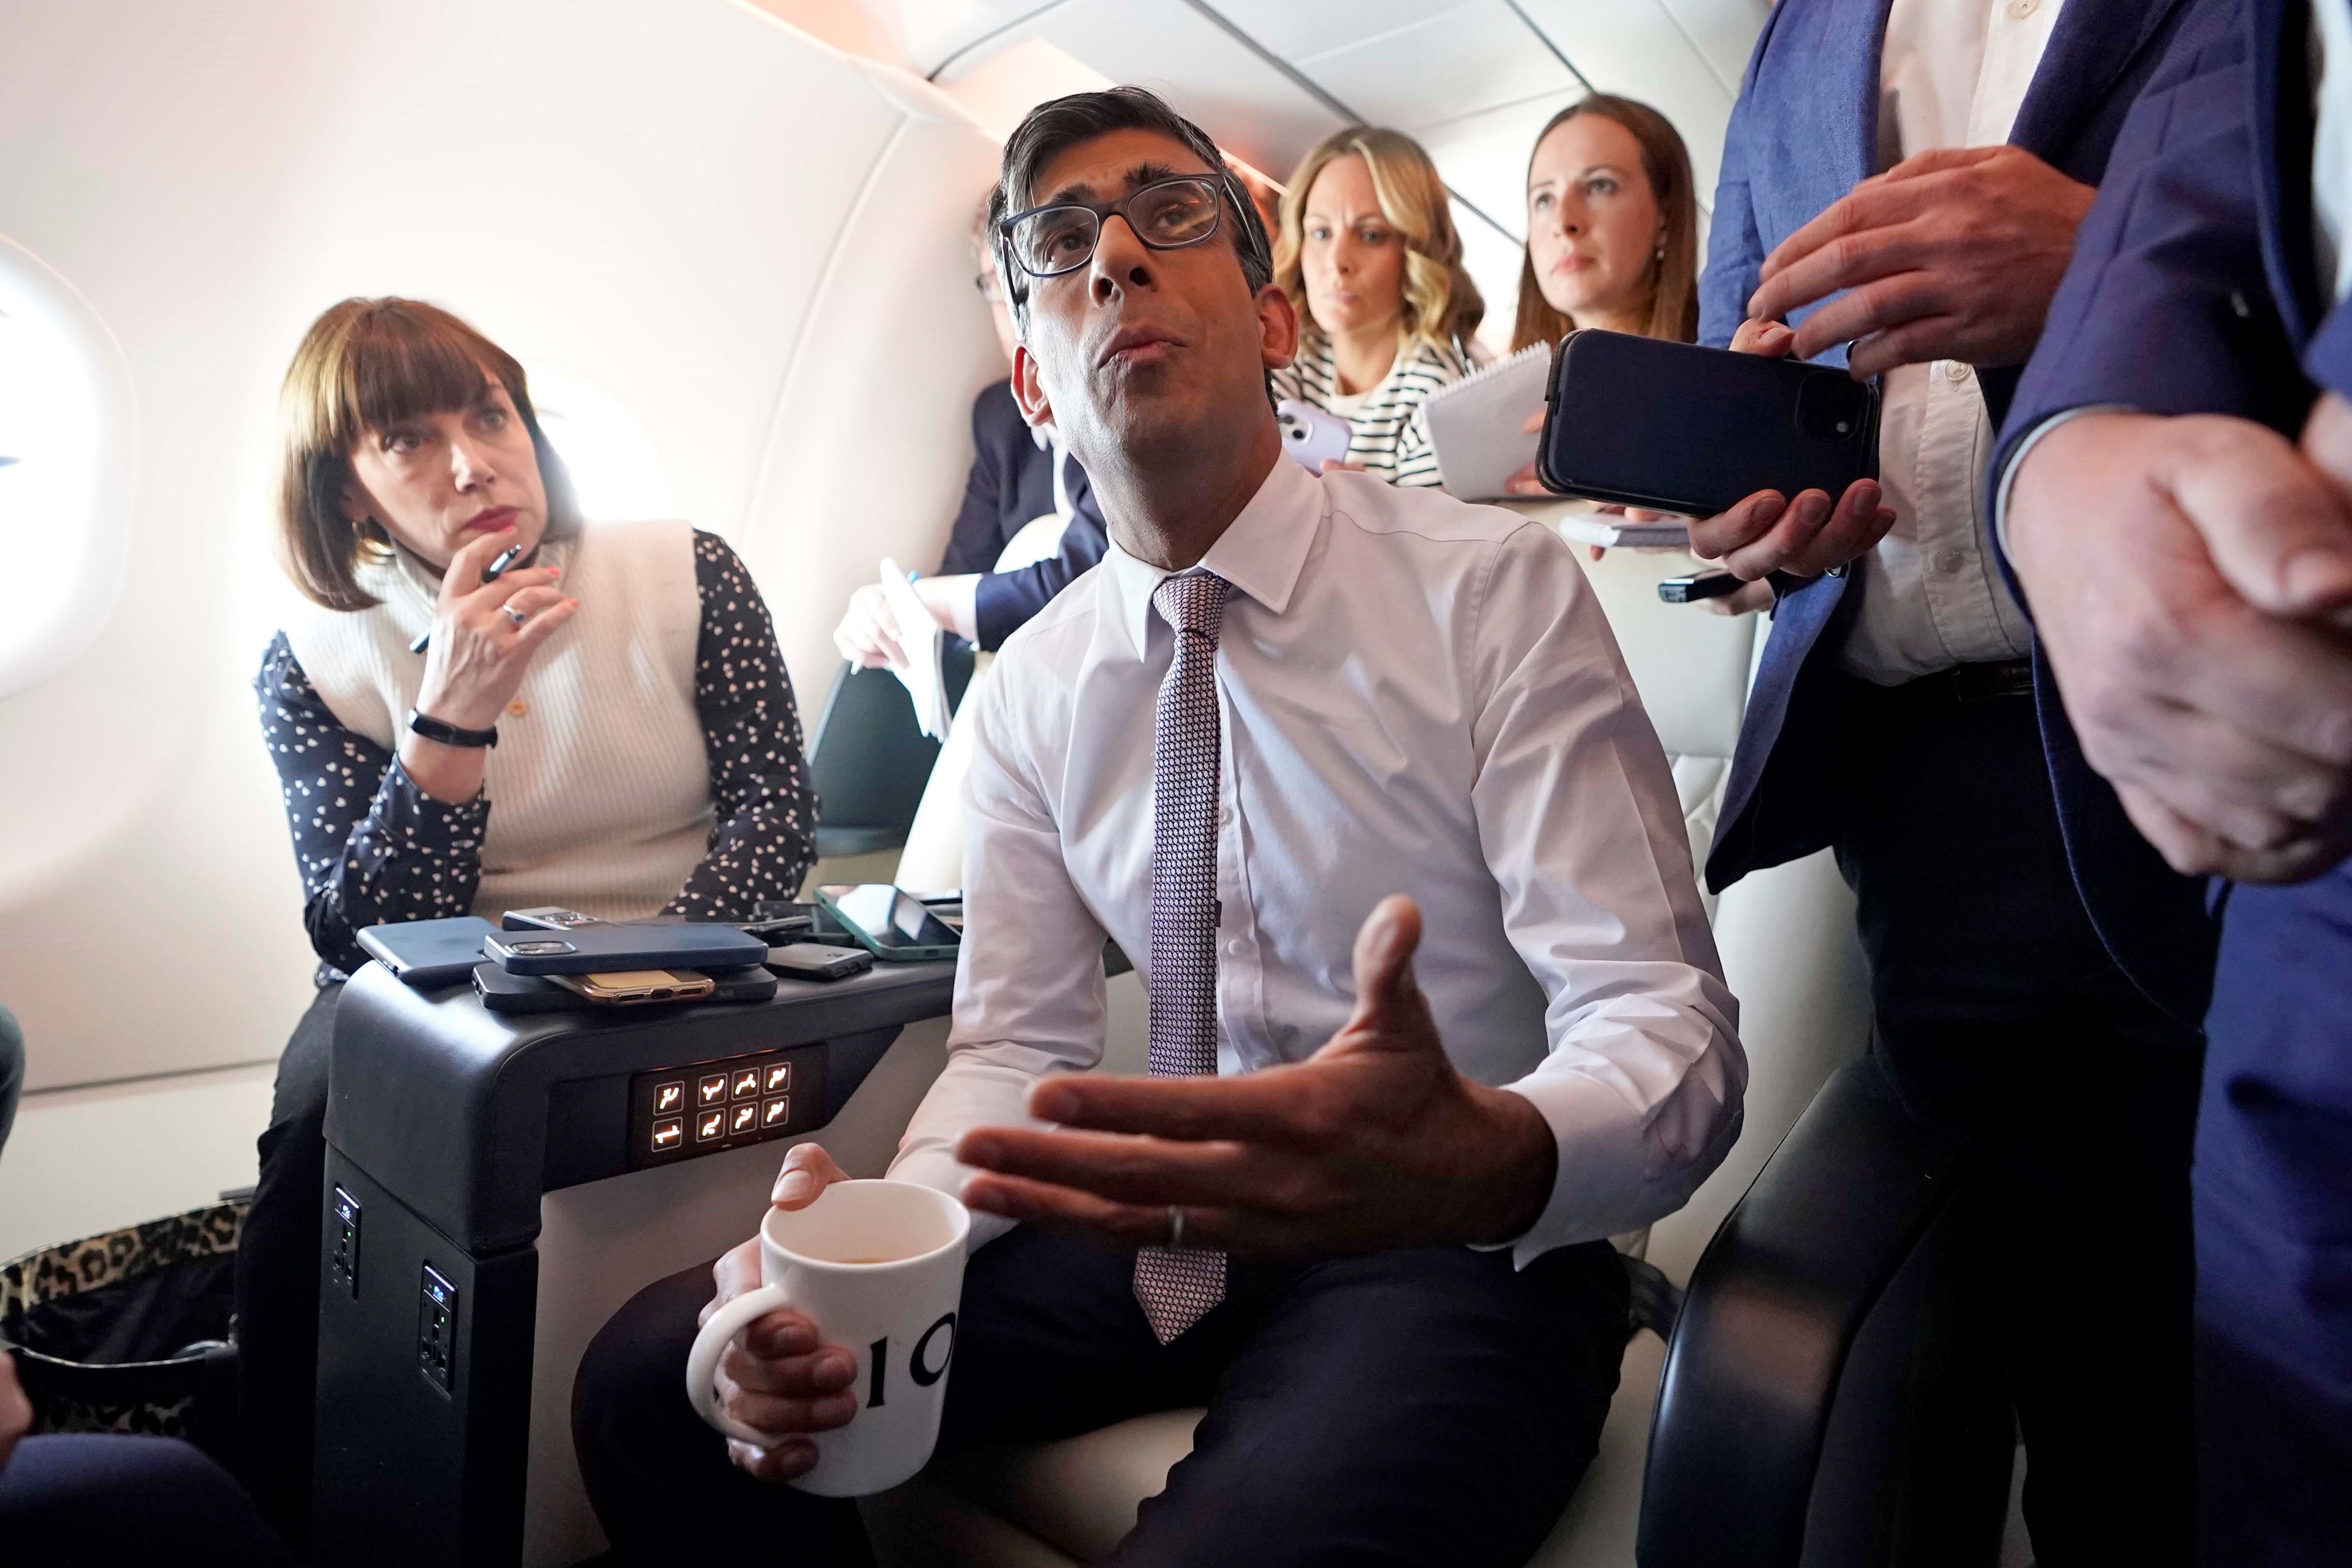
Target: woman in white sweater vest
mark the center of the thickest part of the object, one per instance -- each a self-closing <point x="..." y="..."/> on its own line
<point x="606" y="725"/>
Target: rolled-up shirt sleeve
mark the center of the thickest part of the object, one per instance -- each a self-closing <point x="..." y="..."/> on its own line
<point x="1030" y="998"/>
<point x="1580" y="825"/>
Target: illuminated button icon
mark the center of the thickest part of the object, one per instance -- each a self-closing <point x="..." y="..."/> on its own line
<point x="709" y="1124"/>
<point x="670" y="1131"/>
<point x="777" y="1111"/>
<point x="747" y="1117"/>
<point x="747" y="1083"/>
<point x="710" y="1091"/>
<point x="779" y="1079"/>
<point x="669" y="1097"/>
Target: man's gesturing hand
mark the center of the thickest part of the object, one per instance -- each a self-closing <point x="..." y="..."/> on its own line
<point x="1951" y="253"/>
<point x="1374" y="1141"/>
<point x="780" y="1376"/>
<point x="2183" y="572"/>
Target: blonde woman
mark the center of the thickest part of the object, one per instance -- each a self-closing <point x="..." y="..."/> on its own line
<point x="1369" y="257"/>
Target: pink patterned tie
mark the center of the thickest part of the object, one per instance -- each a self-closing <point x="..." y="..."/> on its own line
<point x="1178" y="1287"/>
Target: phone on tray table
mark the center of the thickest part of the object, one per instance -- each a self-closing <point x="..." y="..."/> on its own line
<point x="893" y="925"/>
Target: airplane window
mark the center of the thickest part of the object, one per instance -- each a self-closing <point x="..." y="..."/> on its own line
<point x="611" y="457"/>
<point x="66" y="442"/>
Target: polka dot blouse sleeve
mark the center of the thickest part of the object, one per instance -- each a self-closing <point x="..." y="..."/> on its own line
<point x="372" y="848"/>
<point x="766" y="839"/>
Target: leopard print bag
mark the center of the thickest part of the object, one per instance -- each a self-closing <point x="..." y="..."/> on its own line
<point x="127" y="1331"/>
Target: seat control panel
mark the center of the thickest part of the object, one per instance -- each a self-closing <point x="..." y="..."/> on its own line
<point x="704" y="1108"/>
<point x="437" y="1330"/>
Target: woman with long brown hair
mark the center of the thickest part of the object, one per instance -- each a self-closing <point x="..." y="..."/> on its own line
<point x="1613" y="233"/>
<point x="1369" y="257"/>
<point x="1612" y="226"/>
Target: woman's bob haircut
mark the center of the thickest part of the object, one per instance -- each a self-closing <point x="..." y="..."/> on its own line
<point x="369" y="364"/>
<point x="1442" y="306"/>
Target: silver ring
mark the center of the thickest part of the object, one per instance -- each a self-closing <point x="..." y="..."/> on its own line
<point x="1175" y="1227"/>
<point x="516" y="617"/>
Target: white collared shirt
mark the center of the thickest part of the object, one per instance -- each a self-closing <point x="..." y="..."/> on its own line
<point x="1416" y="696"/>
<point x="1952" y="73"/>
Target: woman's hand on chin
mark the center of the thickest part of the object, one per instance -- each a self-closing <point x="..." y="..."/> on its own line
<point x="483" y="635"/>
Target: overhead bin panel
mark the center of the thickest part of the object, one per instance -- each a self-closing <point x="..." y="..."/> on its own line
<point x="1642" y="48"/>
<point x="1254" y="109"/>
<point x="1461" y="61"/>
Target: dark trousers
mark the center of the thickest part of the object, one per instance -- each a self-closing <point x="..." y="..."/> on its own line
<point x="2274" y="1196"/>
<point x="2002" y="1018"/>
<point x="278" y="1264"/>
<point x="114" y="1500"/>
<point x="1409" y="1407"/>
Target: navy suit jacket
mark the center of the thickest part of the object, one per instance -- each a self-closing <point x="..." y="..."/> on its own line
<point x="1011" y="481"/>
<point x="2191" y="290"/>
<point x="1803" y="134"/>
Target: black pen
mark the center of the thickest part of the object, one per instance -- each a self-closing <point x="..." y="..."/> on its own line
<point x="491" y="574"/>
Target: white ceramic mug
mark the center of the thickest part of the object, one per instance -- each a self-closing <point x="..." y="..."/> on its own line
<point x="878" y="1267"/>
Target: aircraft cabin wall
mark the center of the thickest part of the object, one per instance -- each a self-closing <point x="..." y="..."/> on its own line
<point x="733" y="259"/>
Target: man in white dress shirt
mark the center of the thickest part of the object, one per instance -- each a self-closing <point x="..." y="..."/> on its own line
<point x="1358" y="1208"/>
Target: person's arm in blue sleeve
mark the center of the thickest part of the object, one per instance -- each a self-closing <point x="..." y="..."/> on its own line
<point x="973" y="542"/>
<point x="1002" y="601"/>
<point x="2164" y="306"/>
<point x="373" y="848"/>
<point x="2327" y="359"/>
<point x="2148" y="494"/>
<point x="765" y="840"/>
<point x="1735" y="250"/>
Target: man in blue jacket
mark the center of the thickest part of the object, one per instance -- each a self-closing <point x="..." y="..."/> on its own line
<point x="1906" y="176"/>
<point x="2177" y="484"/>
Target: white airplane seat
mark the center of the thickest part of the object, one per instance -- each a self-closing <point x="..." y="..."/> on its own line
<point x="1787" y="941"/>
<point x="932" y="860"/>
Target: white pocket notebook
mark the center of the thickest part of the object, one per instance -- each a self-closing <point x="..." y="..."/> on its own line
<point x="1474" y="424"/>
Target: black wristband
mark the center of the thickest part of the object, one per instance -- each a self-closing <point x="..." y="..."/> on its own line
<point x="449" y="734"/>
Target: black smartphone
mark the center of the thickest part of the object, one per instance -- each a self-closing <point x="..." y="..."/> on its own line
<point x="599" y="949"/>
<point x="428" y="952"/>
<point x="780" y="921"/>
<point x="546" y="917"/>
<point x="814" y="961"/>
<point x="504" y="992"/>
<point x="1675" y="427"/>
<point x="1690" y="590"/>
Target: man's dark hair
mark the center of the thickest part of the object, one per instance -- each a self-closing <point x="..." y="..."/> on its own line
<point x="1053" y="128"/>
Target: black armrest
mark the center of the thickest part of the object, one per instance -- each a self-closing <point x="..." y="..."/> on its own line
<point x="1829" y="1291"/>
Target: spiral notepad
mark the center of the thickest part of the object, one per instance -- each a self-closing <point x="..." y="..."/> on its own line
<point x="1474" y="424"/>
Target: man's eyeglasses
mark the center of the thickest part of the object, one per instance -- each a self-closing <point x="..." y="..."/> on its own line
<point x="1168" y="214"/>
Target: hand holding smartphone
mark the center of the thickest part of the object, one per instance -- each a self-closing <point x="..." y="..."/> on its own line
<point x="1675" y="427"/>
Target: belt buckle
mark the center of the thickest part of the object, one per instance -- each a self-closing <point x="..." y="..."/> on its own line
<point x="1974" y="685"/>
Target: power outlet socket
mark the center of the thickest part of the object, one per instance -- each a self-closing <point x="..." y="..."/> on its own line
<point x="437" y="1331"/>
<point x="343" y="1263"/>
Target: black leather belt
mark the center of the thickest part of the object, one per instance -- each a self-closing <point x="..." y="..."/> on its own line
<point x="1968" y="685"/>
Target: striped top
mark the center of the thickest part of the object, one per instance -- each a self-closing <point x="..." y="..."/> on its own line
<point x="1392" y="438"/>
